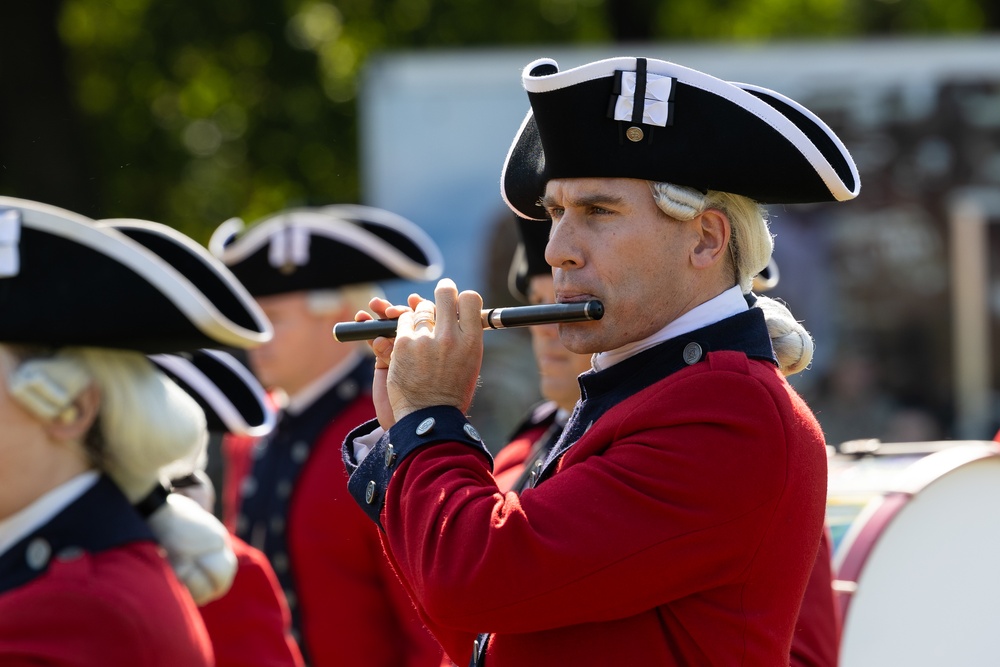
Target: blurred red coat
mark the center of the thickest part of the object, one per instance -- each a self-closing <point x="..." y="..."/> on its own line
<point x="91" y="587"/>
<point x="354" y="610"/>
<point x="250" y="625"/>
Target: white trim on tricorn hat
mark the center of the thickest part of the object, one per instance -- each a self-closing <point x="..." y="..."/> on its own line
<point x="326" y="248"/>
<point x="78" y="283"/>
<point x="232" y="398"/>
<point x="691" y="129"/>
<point x="236" y="319"/>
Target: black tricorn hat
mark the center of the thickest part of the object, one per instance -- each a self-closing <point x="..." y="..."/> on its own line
<point x="325" y="248"/>
<point x="67" y="280"/>
<point x="232" y="398"/>
<point x="691" y="129"/>
<point x="529" y="256"/>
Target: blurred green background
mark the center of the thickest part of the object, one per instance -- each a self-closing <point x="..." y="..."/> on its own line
<point x="191" y="113"/>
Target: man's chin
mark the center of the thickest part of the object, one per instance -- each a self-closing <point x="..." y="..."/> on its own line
<point x="578" y="340"/>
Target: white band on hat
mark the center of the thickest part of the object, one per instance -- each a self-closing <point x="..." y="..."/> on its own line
<point x="289" y="247"/>
<point x="656" y="105"/>
<point x="330" y="222"/>
<point x="10" y="236"/>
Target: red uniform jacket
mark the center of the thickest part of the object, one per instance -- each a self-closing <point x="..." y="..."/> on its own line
<point x="816" y="640"/>
<point x="92" y="588"/>
<point x="352" y="608"/>
<point x="679" y="529"/>
<point x="250" y="625"/>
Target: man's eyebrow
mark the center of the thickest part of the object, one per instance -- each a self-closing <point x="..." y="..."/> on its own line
<point x="596" y="199"/>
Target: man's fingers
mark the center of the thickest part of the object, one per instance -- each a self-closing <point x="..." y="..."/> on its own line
<point x="470" y="306"/>
<point x="382" y="347"/>
<point x="445" y="297"/>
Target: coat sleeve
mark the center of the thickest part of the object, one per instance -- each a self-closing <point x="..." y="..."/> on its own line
<point x="354" y="609"/>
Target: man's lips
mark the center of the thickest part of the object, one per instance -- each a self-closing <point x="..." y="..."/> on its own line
<point x="573" y="297"/>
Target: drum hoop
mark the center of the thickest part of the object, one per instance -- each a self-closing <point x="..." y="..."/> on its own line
<point x="858" y="544"/>
<point x="878" y="513"/>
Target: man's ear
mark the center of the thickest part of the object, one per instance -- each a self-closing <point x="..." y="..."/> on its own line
<point x="714" y="230"/>
<point x="74" y="422"/>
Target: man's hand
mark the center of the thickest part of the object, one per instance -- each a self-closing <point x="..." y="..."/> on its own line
<point x="435" y="357"/>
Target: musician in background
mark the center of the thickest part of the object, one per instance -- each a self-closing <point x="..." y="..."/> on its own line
<point x="308" y="269"/>
<point x="250" y="625"/>
<point x="88" y="429"/>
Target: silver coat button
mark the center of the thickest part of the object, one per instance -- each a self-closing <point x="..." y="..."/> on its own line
<point x="390" y="455"/>
<point x="370" y="492"/>
<point x="38" y="553"/>
<point x="692" y="353"/>
<point x="425" y="426"/>
<point x="69" y="554"/>
<point x="248" y="487"/>
<point x="471" y="431"/>
<point x="300" y="452"/>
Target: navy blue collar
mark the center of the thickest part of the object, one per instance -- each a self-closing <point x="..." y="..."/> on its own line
<point x="100" y="519"/>
<point x="744" y="332"/>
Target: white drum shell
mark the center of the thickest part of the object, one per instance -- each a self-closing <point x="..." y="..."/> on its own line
<point x="921" y="565"/>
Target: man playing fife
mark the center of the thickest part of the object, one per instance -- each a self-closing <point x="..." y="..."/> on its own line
<point x="678" y="518"/>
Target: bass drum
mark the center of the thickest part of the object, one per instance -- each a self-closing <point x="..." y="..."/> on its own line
<point x="916" y="531"/>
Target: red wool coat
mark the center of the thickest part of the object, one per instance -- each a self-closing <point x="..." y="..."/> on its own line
<point x="94" y="605"/>
<point x="816" y="640"/>
<point x="250" y="625"/>
<point x="354" y="609"/>
<point x="680" y="529"/>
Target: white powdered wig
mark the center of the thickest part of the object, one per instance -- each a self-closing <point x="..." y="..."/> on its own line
<point x="150" y="431"/>
<point x="793" y="346"/>
<point x="151" y="428"/>
<point x="679" y="201"/>
<point x="750" y="241"/>
<point x="48" y="387"/>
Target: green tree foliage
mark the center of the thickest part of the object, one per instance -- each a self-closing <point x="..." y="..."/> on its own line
<point x="198" y="111"/>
